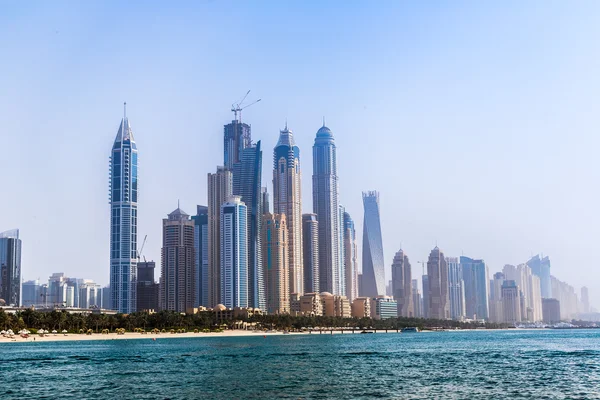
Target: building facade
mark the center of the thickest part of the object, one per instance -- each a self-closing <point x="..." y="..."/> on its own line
<point x="551" y="311"/>
<point x="147" y="288"/>
<point x="437" y="272"/>
<point x="511" y="302"/>
<point x="123" y="227"/>
<point x="220" y="188"/>
<point x="456" y="289"/>
<point x="310" y="242"/>
<point x="201" y="247"/>
<point x="383" y="307"/>
<point x="373" y="273"/>
<point x="402" y="285"/>
<point x="31" y="294"/>
<point x="234" y="253"/>
<point x="247" y="178"/>
<point x="350" y="258"/>
<point x="178" y="263"/>
<point x="476" y="280"/>
<point x="325" y="206"/>
<point x="236" y="138"/>
<point x="287" y="201"/>
<point x="275" y="263"/>
<point x="10" y="267"/>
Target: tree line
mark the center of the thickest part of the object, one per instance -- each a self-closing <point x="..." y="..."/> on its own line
<point x="62" y="320"/>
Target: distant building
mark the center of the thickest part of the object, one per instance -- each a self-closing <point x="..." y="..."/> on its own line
<point x="310" y="242"/>
<point x="220" y="188"/>
<point x="287" y="200"/>
<point x="350" y="258"/>
<point x="417" y="300"/>
<point x="425" y="308"/>
<point x="383" y="307"/>
<point x="511" y="302"/>
<point x="335" y="306"/>
<point x="361" y="307"/>
<point x="496" y="309"/>
<point x="437" y="272"/>
<point x="123" y="219"/>
<point x="373" y="274"/>
<point x="90" y="294"/>
<point x="147" y="288"/>
<point x="402" y="285"/>
<point x="551" y="311"/>
<point x="234" y="253"/>
<point x="106" y="300"/>
<point x="326" y="207"/>
<point x="178" y="263"/>
<point x="476" y="281"/>
<point x="10" y="267"/>
<point x="275" y="263"/>
<point x="530" y="286"/>
<point x="456" y="289"/>
<point x="31" y="294"/>
<point x="202" y="250"/>
<point x="541" y="267"/>
<point x="585" y="300"/>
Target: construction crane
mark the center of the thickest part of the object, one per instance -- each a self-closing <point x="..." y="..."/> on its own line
<point x="237" y="108"/>
<point x="142" y="249"/>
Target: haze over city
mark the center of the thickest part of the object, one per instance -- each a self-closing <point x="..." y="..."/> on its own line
<point x="479" y="138"/>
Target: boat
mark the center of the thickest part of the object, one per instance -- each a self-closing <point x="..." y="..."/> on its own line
<point x="366" y="332"/>
<point x="410" y="329"/>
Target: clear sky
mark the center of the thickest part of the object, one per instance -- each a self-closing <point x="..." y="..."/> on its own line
<point x="477" y="121"/>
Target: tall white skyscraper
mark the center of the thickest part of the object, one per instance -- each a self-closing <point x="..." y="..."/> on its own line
<point x="456" y="289"/>
<point x="234" y="253"/>
<point x="123" y="226"/>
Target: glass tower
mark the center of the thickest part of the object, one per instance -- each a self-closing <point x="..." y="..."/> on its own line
<point x="373" y="274"/>
<point x="10" y="267"/>
<point x="123" y="227"/>
<point x="234" y="253"/>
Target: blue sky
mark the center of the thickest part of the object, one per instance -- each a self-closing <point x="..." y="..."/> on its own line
<point x="477" y="121"/>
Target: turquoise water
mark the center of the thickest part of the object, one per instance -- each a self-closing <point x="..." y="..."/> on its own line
<point x="550" y="364"/>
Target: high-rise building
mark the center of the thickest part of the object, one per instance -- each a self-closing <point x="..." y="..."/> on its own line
<point x="511" y="302"/>
<point x="325" y="205"/>
<point x="350" y="258"/>
<point x="456" y="289"/>
<point x="496" y="310"/>
<point x="237" y="137"/>
<point x="275" y="260"/>
<point x="287" y="201"/>
<point x="475" y="276"/>
<point x="540" y="266"/>
<point x="106" y="300"/>
<point x="425" y="308"/>
<point x="147" y="288"/>
<point x="178" y="263"/>
<point x="530" y="287"/>
<point x="265" y="202"/>
<point x="220" y="188"/>
<point x="585" y="299"/>
<point x="31" y="294"/>
<point x="123" y="227"/>
<point x="417" y="300"/>
<point x="310" y="242"/>
<point x="234" y="253"/>
<point x="341" y="276"/>
<point x="10" y="267"/>
<point x="402" y="284"/>
<point x="247" y="174"/>
<point x="567" y="297"/>
<point x="90" y="294"/>
<point x="373" y="266"/>
<point x="551" y="311"/>
<point x="437" y="271"/>
<point x="201" y="247"/>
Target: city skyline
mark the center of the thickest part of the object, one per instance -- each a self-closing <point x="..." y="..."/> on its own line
<point x="502" y="146"/>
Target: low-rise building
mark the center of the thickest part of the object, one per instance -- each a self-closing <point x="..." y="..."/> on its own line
<point x="335" y="306"/>
<point x="361" y="307"/>
<point x="383" y="307"/>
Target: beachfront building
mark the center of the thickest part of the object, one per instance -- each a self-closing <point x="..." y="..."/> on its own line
<point x="383" y="307"/>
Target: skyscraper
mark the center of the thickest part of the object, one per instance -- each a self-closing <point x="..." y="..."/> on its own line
<point x="31" y="294"/>
<point x="417" y="300"/>
<point x="147" y="289"/>
<point x="456" y="289"/>
<point x="275" y="260"/>
<point x="201" y="248"/>
<point x="496" y="310"/>
<point x="475" y="276"/>
<point x="178" y="263"/>
<point x="234" y="253"/>
<point x="123" y="227"/>
<point x="247" y="174"/>
<point x="287" y="201"/>
<point x="541" y="267"/>
<point x="511" y="302"/>
<point x="402" y="284"/>
<point x="325" y="205"/>
<point x="425" y="308"/>
<point x="310" y="242"/>
<point x="350" y="258"/>
<point x="585" y="300"/>
<point x="437" y="271"/>
<point x="373" y="265"/>
<point x="341" y="276"/>
<point x="237" y="137"/>
<point x="10" y="267"/>
<point x="220" y="188"/>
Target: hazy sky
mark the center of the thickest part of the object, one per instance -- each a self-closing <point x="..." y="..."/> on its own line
<point x="477" y="121"/>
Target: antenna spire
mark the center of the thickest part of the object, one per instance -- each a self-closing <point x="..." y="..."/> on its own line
<point x="286" y="128"/>
<point x="323" y="121"/>
<point x="177" y="203"/>
<point x="124" y="110"/>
